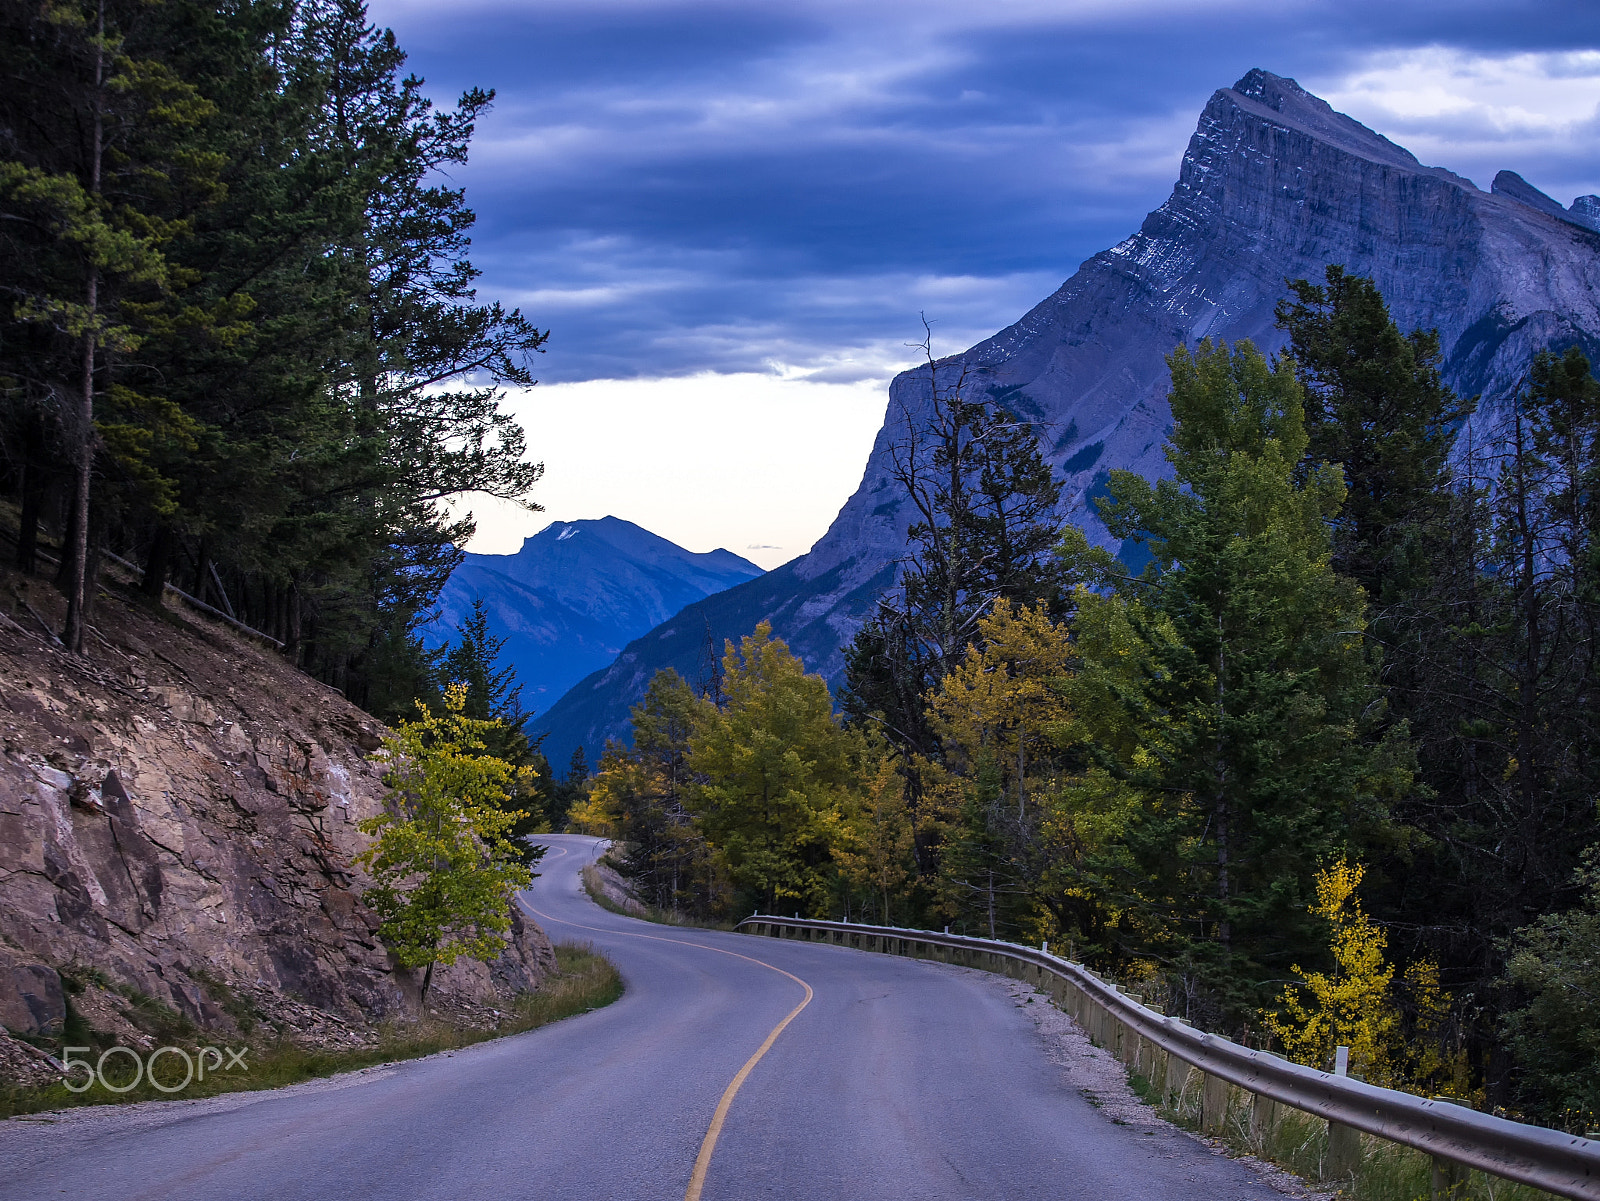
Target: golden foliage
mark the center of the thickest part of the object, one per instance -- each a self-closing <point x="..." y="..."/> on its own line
<point x="874" y="839"/>
<point x="1001" y="704"/>
<point x="1356" y="1005"/>
<point x="1351" y="1006"/>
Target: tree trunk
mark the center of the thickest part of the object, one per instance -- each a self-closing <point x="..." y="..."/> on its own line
<point x="33" y="489"/>
<point x="991" y="903"/>
<point x="75" y="554"/>
<point x="1528" y="673"/>
<point x="292" y="650"/>
<point x="157" y="563"/>
<point x="202" y="559"/>
<point x="1220" y="769"/>
<point x="1022" y="768"/>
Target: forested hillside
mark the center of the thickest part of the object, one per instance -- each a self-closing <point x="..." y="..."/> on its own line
<point x="239" y="341"/>
<point x="1321" y="773"/>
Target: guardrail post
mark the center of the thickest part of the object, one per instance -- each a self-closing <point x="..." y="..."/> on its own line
<point x="1344" y="1151"/>
<point x="1177" y="1079"/>
<point x="1344" y="1142"/>
<point x="1449" y="1180"/>
<point x="1155" y="1067"/>
<point x="1263" y="1117"/>
<point x="1213" y="1104"/>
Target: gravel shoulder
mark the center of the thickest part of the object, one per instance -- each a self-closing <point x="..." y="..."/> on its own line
<point x="1103" y="1082"/>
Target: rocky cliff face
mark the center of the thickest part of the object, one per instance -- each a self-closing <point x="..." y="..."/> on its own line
<point x="1274" y="185"/>
<point x="177" y="822"/>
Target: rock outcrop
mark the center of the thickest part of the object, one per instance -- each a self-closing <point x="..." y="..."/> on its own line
<point x="1274" y="185"/>
<point x="178" y="816"/>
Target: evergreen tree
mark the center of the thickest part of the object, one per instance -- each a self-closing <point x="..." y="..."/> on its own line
<point x="1506" y="713"/>
<point x="1554" y="1030"/>
<point x="984" y="529"/>
<point x="254" y="194"/>
<point x="99" y="174"/>
<point x="1375" y="405"/>
<point x="1256" y="690"/>
<point x="493" y="693"/>
<point x="492" y="696"/>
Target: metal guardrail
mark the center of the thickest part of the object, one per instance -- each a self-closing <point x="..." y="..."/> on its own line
<point x="1165" y="1049"/>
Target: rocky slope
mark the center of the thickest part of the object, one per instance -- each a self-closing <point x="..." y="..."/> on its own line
<point x="576" y="593"/>
<point x="177" y="824"/>
<point x="1274" y="185"/>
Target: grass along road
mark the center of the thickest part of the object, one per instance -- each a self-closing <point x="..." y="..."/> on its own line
<point x="583" y="980"/>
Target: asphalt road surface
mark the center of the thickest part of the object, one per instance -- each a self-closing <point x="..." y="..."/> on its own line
<point x="897" y="1079"/>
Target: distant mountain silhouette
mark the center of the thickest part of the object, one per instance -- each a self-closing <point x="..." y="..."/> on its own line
<point x="576" y="594"/>
<point x="1275" y="184"/>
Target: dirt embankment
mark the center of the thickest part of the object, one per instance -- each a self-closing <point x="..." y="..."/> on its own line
<point x="178" y="813"/>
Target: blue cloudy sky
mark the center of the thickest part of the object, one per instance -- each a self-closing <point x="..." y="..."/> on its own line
<point x="731" y="214"/>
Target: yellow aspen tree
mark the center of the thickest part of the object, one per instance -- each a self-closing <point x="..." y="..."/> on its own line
<point x="1352" y="1005"/>
<point x="777" y="767"/>
<point x="620" y="778"/>
<point x="876" y="836"/>
<point x="1000" y="705"/>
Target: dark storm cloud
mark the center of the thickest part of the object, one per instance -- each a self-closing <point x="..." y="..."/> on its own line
<point x="681" y="187"/>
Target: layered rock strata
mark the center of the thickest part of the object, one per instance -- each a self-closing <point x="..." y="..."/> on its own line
<point x="178" y="818"/>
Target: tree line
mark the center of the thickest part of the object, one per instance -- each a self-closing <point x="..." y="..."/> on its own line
<point x="1318" y="771"/>
<point x="240" y="344"/>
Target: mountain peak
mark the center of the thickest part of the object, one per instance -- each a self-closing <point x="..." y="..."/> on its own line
<point x="1585" y="211"/>
<point x="576" y="593"/>
<point x="1509" y="183"/>
<point x="1300" y="110"/>
<point x="1272" y="90"/>
<point x="630" y="540"/>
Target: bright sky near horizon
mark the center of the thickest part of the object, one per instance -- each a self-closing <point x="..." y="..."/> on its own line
<point x="731" y="214"/>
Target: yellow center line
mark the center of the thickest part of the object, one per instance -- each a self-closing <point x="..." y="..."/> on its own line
<point x="702" y="1162"/>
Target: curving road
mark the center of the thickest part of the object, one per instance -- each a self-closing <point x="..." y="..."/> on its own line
<point x="897" y="1079"/>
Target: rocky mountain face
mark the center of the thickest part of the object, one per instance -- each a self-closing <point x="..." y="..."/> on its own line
<point x="1274" y="185"/>
<point x="178" y="817"/>
<point x="576" y="593"/>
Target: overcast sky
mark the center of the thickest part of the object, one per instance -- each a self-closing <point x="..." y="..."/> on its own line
<point x="731" y="214"/>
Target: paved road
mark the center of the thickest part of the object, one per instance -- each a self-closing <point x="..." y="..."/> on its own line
<point x="897" y="1080"/>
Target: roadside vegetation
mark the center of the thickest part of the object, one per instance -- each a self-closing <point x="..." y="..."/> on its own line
<point x="1325" y="719"/>
<point x="583" y="980"/>
<point x="1299" y="1142"/>
<point x="596" y="885"/>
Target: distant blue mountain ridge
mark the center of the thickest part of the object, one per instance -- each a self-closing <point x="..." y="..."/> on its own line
<point x="576" y="594"/>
